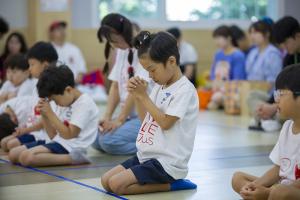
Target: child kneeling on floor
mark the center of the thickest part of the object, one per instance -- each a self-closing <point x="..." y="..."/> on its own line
<point x="284" y="177"/>
<point x="166" y="138"/>
<point x="71" y="125"/>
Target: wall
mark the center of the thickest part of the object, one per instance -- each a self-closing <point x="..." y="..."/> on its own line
<point x="26" y="17"/>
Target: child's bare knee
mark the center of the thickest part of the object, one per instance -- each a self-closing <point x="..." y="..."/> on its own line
<point x="236" y="178"/>
<point x="4" y="144"/>
<point x="13" y="156"/>
<point x="104" y="183"/>
<point x="12" y="144"/>
<point x="116" y="186"/>
<point x="27" y="158"/>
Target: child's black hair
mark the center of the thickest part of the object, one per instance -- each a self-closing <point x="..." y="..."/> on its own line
<point x="288" y="79"/>
<point x="175" y="32"/>
<point x="237" y="34"/>
<point x="43" y="52"/>
<point x="285" y="28"/>
<point x="263" y="27"/>
<point x="22" y="41"/>
<point x="54" y="80"/>
<point x="118" y="24"/>
<point x="4" y="27"/>
<point x="222" y="31"/>
<point x="17" y="61"/>
<point x="160" y="46"/>
<point x="7" y="126"/>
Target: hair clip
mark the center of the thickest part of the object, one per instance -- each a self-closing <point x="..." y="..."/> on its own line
<point x="145" y="37"/>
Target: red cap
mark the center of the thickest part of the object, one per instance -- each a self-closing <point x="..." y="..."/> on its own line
<point x="57" y="24"/>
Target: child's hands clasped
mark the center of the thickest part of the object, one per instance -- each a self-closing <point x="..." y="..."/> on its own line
<point x="137" y="86"/>
<point x="44" y="107"/>
<point x="253" y="191"/>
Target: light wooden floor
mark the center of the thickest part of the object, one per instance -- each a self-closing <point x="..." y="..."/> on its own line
<point x="223" y="145"/>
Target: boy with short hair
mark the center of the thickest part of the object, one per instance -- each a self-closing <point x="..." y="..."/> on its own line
<point x="71" y="125"/>
<point x="286" y="153"/>
<point x="18" y="83"/>
<point x="39" y="56"/>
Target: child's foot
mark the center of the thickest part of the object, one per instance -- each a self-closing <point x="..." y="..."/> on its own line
<point x="183" y="184"/>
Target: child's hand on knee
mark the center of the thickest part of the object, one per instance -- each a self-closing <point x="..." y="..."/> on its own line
<point x="254" y="191"/>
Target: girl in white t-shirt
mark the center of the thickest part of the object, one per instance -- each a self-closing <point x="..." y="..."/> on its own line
<point x="282" y="180"/>
<point x="118" y="135"/>
<point x="166" y="138"/>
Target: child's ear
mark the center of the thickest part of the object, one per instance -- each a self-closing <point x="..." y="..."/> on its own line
<point x="172" y="60"/>
<point x="45" y="64"/>
<point x="68" y="89"/>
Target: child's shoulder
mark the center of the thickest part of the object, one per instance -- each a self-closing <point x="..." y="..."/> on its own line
<point x="184" y="86"/>
<point x="85" y="102"/>
<point x="238" y="54"/>
<point x="286" y="128"/>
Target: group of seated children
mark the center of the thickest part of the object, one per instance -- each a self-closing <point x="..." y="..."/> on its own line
<point x="61" y="121"/>
<point x="54" y="123"/>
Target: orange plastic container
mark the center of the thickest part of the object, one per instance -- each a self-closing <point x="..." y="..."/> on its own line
<point x="204" y="98"/>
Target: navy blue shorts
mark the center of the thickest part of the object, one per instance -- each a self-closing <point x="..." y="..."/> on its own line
<point x="149" y="172"/>
<point x="29" y="141"/>
<point x="56" y="148"/>
<point x="26" y="138"/>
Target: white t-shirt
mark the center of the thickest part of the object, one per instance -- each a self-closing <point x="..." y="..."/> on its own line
<point x="83" y="113"/>
<point x="71" y="55"/>
<point x="286" y="154"/>
<point x="26" y="88"/>
<point x="172" y="147"/>
<point x="8" y="87"/>
<point x="119" y="72"/>
<point x="188" y="54"/>
<point x="21" y="107"/>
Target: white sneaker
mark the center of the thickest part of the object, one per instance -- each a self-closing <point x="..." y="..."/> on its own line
<point x="270" y="125"/>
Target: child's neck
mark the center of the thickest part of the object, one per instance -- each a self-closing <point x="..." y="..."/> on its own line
<point x="296" y="126"/>
<point x="176" y="77"/>
<point x="58" y="42"/>
<point x="263" y="46"/>
<point x="228" y="50"/>
<point x="77" y="94"/>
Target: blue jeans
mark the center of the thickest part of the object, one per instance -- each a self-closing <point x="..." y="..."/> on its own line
<point x="121" y="141"/>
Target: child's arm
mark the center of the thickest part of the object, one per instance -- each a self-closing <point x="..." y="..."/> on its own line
<point x="164" y="121"/>
<point x="113" y="100"/>
<point x="141" y="110"/>
<point x="270" y="177"/>
<point x="126" y="109"/>
<point x="138" y="88"/>
<point x="65" y="131"/>
<point x="36" y="127"/>
<point x="48" y="127"/>
<point x="3" y="97"/>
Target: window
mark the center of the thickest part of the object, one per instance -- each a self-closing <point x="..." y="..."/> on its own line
<point x="192" y="14"/>
<point x="133" y="9"/>
<point x="193" y="10"/>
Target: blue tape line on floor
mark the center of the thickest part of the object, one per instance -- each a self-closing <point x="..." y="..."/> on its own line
<point x="110" y="165"/>
<point x="69" y="180"/>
